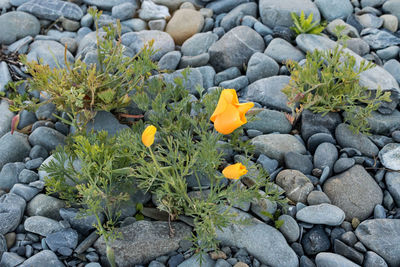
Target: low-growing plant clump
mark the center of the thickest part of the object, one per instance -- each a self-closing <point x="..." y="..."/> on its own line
<point x="306" y="25"/>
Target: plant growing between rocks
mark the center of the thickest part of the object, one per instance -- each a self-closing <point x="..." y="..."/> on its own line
<point x="306" y="25"/>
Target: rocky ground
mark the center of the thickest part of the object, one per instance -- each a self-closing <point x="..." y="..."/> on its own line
<point x="344" y="188"/>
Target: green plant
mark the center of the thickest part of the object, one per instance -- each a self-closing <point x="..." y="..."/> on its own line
<point x="81" y="90"/>
<point x="306" y="25"/>
<point x="329" y="82"/>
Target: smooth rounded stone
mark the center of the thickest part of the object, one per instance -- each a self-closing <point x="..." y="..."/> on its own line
<point x="261" y="66"/>
<point x="317" y="198"/>
<point x="270" y="165"/>
<point x="9" y="259"/>
<point x="296" y="185"/>
<point x="143" y="241"/>
<point x="70" y="25"/>
<point x="379" y="212"/>
<point x="71" y="43"/>
<point x="358" y="46"/>
<point x="40" y="49"/>
<point x="5" y="118"/>
<point x="194" y="61"/>
<point x="264" y="205"/>
<point x="262" y="29"/>
<point x="389" y="156"/>
<point x="224" y="6"/>
<point x="315" y="240"/>
<point x="341" y="248"/>
<point x="275" y="13"/>
<point x="378" y="39"/>
<point x="17" y="25"/>
<point x="230" y="20"/>
<point x="41" y="225"/>
<point x="321" y="214"/>
<point x="313" y="123"/>
<point x="370" y="21"/>
<point x="83" y="225"/>
<point x="170" y="61"/>
<point x="184" y="24"/>
<point x="392" y="180"/>
<point x="24" y="191"/>
<point x="9" y="174"/>
<point x="5" y="76"/>
<point x="334" y="9"/>
<point x="282" y="51"/>
<point x="383" y="237"/>
<point x="87" y="20"/>
<point x="27" y="176"/>
<point x="198" y="43"/>
<point x="374" y="78"/>
<point x="52" y="9"/>
<point x="63" y="238"/>
<point x="328" y="259"/>
<point x="355" y="192"/>
<point x="163" y="42"/>
<point x="390" y="22"/>
<point x="157" y="24"/>
<point x="12" y="209"/>
<point x="393" y="67"/>
<point x="193" y="79"/>
<point x="46" y="206"/>
<point x="108" y="4"/>
<point x="152" y="11"/>
<point x="316" y="139"/>
<point x="388" y="53"/>
<point x="5" y="4"/>
<point x="135" y="24"/>
<point x="374" y="260"/>
<point x="290" y="229"/>
<point x="268" y="92"/>
<point x="33" y="164"/>
<point x="392" y="7"/>
<point x="396" y="136"/>
<point x="194" y="261"/>
<point x="343" y="164"/>
<point x="296" y="161"/>
<point x="96" y="264"/>
<point x="256" y="238"/>
<point x="38" y="152"/>
<point x="235" y="48"/>
<point x="346" y="138"/>
<point x="383" y="124"/>
<point x="237" y="83"/>
<point x="276" y="146"/>
<point x="47" y="138"/>
<point x="208" y="74"/>
<point x="249" y="21"/>
<point x="123" y="11"/>
<point x="325" y="155"/>
<point x="228" y="74"/>
<point x="45" y="258"/>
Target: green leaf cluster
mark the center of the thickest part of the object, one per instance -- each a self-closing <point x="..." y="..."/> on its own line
<point x="306" y="25"/>
<point x="328" y="81"/>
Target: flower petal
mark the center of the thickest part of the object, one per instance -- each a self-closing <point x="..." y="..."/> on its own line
<point x="148" y="135"/>
<point x="234" y="171"/>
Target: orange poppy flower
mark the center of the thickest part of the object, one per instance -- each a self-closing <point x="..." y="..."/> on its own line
<point x="229" y="114"/>
<point x="148" y="135"/>
<point x="234" y="171"/>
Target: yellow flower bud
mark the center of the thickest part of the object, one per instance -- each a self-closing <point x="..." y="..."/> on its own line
<point x="234" y="171"/>
<point x="148" y="135"/>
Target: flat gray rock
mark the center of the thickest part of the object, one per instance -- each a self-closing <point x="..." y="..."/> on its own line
<point x="13" y="147"/>
<point x="41" y="225"/>
<point x="328" y="259"/>
<point x="297" y="186"/>
<point x="261" y="66"/>
<point x="46" y="206"/>
<point x="143" y="241"/>
<point x="334" y="9"/>
<point x="198" y="43"/>
<point x="392" y="180"/>
<point x="374" y="78"/>
<point x="12" y="209"/>
<point x="45" y="258"/>
<point x="5" y="118"/>
<point x="378" y="39"/>
<point x="108" y="4"/>
<point x="51" y="52"/>
<point x="46" y="137"/>
<point x="16" y="25"/>
<point x="269" y="121"/>
<point x="52" y="9"/>
<point x="384" y="124"/>
<point x="383" y="237"/>
<point x="282" y="51"/>
<point x="326" y="214"/>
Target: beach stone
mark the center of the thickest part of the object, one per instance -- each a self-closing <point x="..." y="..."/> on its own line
<point x="83" y="224"/>
<point x="268" y="92"/>
<point x="235" y="48"/>
<point x="151" y="11"/>
<point x="228" y="74"/>
<point x="317" y="197"/>
<point x="46" y="206"/>
<point x="230" y="20"/>
<point x="108" y="4"/>
<point x="198" y="43"/>
<point x="317" y="139"/>
<point x="11" y="259"/>
<point x="269" y="121"/>
<point x="296" y="161"/>
<point x="392" y="7"/>
<point x="374" y="260"/>
<point x="135" y="24"/>
<point x="143" y="241"/>
<point x="45" y="258"/>
<point x="383" y="124"/>
<point x="355" y="192"/>
<point x="208" y="74"/>
<point x="17" y="25"/>
<point x="223" y="6"/>
<point x="343" y="164"/>
<point x="170" y="61"/>
<point x="392" y="180"/>
<point x="5" y="118"/>
<point x="12" y="209"/>
<point x="389" y="156"/>
<point x="383" y="237"/>
<point x="27" y="176"/>
<point x="123" y="11"/>
<point x="281" y="51"/>
<point x="390" y="22"/>
<point x="261" y="66"/>
<point x="195" y="61"/>
<point x="157" y="24"/>
<point x="5" y="76"/>
<point x="296" y="185"/>
<point x="335" y="9"/>
<point x="184" y="24"/>
<point x="24" y="191"/>
<point x="163" y="42"/>
<point x="194" y="79"/>
<point x="325" y="155"/>
<point x="370" y="21"/>
<point x="346" y="138"/>
<point x="65" y="238"/>
<point x="13" y="147"/>
<point x="277" y="13"/>
<point x="41" y="225"/>
<point x="314" y="123"/>
<point x="328" y="259"/>
<point x="315" y="240"/>
<point x="388" y="53"/>
<point x="378" y="39"/>
<point x="275" y="146"/>
<point x="52" y="9"/>
<point x="40" y="50"/>
<point x="326" y="214"/>
<point x="256" y="238"/>
<point x="47" y="138"/>
<point x="194" y="261"/>
<point x="290" y="228"/>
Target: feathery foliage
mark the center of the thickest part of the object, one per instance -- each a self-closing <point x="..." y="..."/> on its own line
<point x="306" y="25"/>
